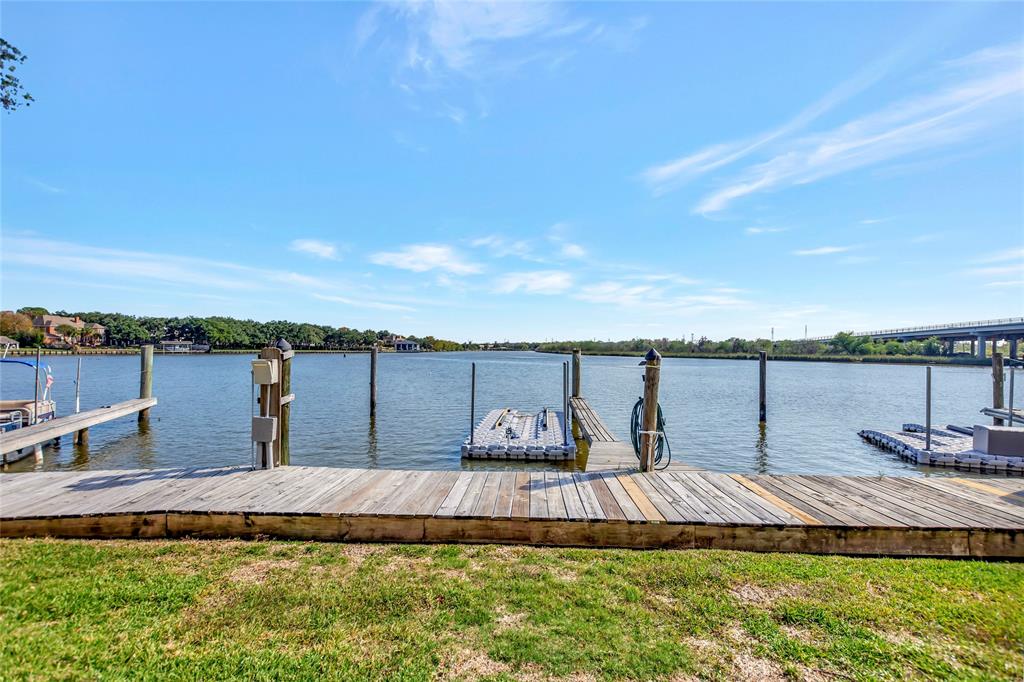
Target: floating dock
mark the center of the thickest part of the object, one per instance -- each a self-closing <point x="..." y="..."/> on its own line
<point x="948" y="449"/>
<point x="869" y="515"/>
<point x="511" y="434"/>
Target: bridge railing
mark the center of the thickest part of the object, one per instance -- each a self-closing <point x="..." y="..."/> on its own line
<point x="938" y="328"/>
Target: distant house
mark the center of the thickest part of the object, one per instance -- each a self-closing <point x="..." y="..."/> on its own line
<point x="49" y="324"/>
<point x="8" y="342"/>
<point x="406" y="346"/>
<point x="177" y="346"/>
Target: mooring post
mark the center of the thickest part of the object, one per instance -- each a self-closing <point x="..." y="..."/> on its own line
<point x="577" y="361"/>
<point x="35" y="400"/>
<point x="997" y="386"/>
<point x="1009" y="411"/>
<point x="928" y="408"/>
<point x="286" y="400"/>
<point x="649" y="435"/>
<point x="273" y="402"/>
<point x="762" y="394"/>
<point x="565" y="403"/>
<point x="472" y="402"/>
<point x="145" y="377"/>
<point x="373" y="380"/>
<point x="78" y="386"/>
<point x="82" y="435"/>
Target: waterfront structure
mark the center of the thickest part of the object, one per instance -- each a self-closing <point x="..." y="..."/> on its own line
<point x="406" y="346"/>
<point x="8" y="343"/>
<point x="50" y="326"/>
<point x="178" y="346"/>
<point x="980" y="333"/>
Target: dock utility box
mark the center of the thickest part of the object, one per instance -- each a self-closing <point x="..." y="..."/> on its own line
<point x="1005" y="441"/>
<point x="264" y="372"/>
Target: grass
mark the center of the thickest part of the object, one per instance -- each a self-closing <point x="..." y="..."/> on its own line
<point x="295" y="610"/>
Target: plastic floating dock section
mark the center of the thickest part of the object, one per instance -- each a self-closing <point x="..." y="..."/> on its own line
<point x="511" y="434"/>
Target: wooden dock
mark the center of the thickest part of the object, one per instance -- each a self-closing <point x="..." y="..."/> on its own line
<point x="605" y="452"/>
<point x="815" y="514"/>
<point x="12" y="441"/>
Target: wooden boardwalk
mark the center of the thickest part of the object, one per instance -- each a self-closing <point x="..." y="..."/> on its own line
<point x="62" y="426"/>
<point x="605" y="452"/>
<point x="817" y="514"/>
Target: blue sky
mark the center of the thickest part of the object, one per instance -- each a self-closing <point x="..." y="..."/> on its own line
<point x="523" y="171"/>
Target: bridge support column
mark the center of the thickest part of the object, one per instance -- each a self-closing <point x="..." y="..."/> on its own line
<point x="950" y="346"/>
<point x="981" y="347"/>
<point x="1013" y="348"/>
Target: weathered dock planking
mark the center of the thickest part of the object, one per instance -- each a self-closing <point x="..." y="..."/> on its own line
<point x="605" y="452"/>
<point x="815" y="514"/>
<point x="13" y="441"/>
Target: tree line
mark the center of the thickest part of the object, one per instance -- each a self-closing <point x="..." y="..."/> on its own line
<point x="217" y="331"/>
<point x="844" y="343"/>
<point x="231" y="333"/>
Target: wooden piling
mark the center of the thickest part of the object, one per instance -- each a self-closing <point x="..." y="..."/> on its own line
<point x="145" y="377"/>
<point x="271" y="405"/>
<point x="997" y="386"/>
<point x="373" y="380"/>
<point x="284" y="425"/>
<point x="928" y="408"/>
<point x="82" y="435"/>
<point x="762" y="409"/>
<point x="577" y="361"/>
<point x="649" y="436"/>
<point x="472" y="402"/>
<point x="35" y="400"/>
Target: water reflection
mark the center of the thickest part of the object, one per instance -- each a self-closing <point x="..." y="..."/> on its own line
<point x="761" y="448"/>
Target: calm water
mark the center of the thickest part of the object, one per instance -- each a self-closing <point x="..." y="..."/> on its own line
<point x="814" y="409"/>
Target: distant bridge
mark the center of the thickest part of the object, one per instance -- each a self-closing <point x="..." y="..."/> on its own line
<point x="979" y="333"/>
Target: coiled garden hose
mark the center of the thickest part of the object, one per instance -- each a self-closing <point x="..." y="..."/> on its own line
<point x="662" y="449"/>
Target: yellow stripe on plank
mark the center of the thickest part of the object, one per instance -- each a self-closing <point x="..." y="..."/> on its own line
<point x="981" y="486"/>
<point x="776" y="500"/>
<point x="641" y="500"/>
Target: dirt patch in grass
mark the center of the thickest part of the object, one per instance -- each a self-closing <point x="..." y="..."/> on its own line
<point x="467" y="665"/>
<point x="257" y="572"/>
<point x="508" y="621"/>
<point x="766" y="596"/>
<point x="802" y="635"/>
<point x="746" y="666"/>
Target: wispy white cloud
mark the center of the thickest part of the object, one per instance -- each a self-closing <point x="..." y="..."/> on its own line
<point x="765" y="230"/>
<point x="45" y="186"/>
<point x="653" y="297"/>
<point x="874" y="221"/>
<point x="670" y="175"/>
<point x="436" y="46"/>
<point x="498" y="246"/>
<point x="173" y="273"/>
<point x="362" y="303"/>
<point x="1001" y="256"/>
<point x="424" y="257"/>
<point x="315" y="247"/>
<point x="538" y="282"/>
<point x="964" y="108"/>
<point x="1007" y="284"/>
<point x="823" y="250"/>
<point x="927" y="237"/>
<point x="570" y="250"/>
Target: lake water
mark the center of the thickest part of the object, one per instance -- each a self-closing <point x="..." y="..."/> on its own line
<point x="814" y="409"/>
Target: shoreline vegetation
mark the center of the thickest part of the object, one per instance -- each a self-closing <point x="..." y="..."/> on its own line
<point x="866" y="359"/>
<point x="203" y="609"/>
<point x="124" y="333"/>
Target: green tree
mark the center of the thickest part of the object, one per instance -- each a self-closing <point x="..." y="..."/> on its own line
<point x="12" y="94"/>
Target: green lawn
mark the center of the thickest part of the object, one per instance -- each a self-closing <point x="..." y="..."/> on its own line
<point x="296" y="610"/>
